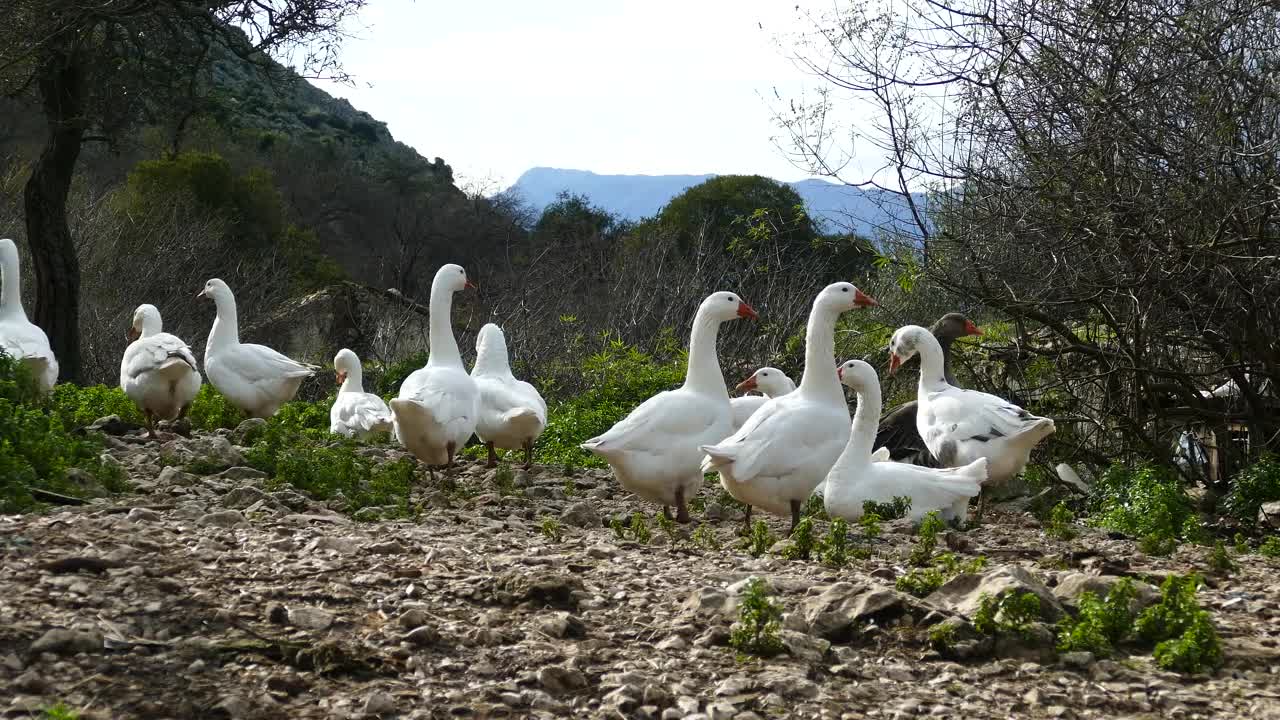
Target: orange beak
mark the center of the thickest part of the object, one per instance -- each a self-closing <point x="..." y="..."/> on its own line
<point x="340" y="376"/>
<point x="894" y="362"/>
<point x="746" y="311"/>
<point x="470" y="286"/>
<point x="861" y="299"/>
<point x="972" y="329"/>
<point x="840" y="372"/>
<point x="132" y="333"/>
<point x="745" y="385"/>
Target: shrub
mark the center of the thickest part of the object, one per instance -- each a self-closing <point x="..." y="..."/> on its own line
<point x="1185" y="638"/>
<point x="640" y="529"/>
<point x="833" y="550"/>
<point x="1012" y="613"/>
<point x="870" y="523"/>
<point x="668" y="527"/>
<point x="387" y="383"/>
<point x="210" y="410"/>
<point x="894" y="510"/>
<point x="1147" y="502"/>
<point x="760" y="539"/>
<point x="759" y="622"/>
<point x="1061" y="521"/>
<point x="802" y="541"/>
<point x="1251" y="487"/>
<point x="1196" y="650"/>
<point x="1220" y="560"/>
<point x="920" y="582"/>
<point x="619" y="528"/>
<point x="927" y="539"/>
<point x="504" y="479"/>
<point x="551" y="529"/>
<point x="705" y="537"/>
<point x="1100" y="624"/>
<point x="814" y="507"/>
<point x="1270" y="547"/>
<point x="77" y="406"/>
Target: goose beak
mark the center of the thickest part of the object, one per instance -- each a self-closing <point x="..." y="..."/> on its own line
<point x="470" y="286"/>
<point x="746" y="311"/>
<point x="132" y="333"/>
<point x="840" y="373"/>
<point x="201" y="294"/>
<point x="341" y="377"/>
<point x="972" y="329"/>
<point x="745" y="385"/>
<point x="894" y="362"/>
<point x="861" y="299"/>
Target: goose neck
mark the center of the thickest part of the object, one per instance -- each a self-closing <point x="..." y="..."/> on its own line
<point x="354" y="381"/>
<point x="226" y="326"/>
<point x="492" y="359"/>
<point x="866" y="418"/>
<point x="933" y="373"/>
<point x="11" y="282"/>
<point x="819" y="380"/>
<point x="444" y="347"/>
<point x="703" y="373"/>
<point x="945" y="344"/>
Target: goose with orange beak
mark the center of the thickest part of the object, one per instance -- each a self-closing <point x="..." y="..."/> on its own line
<point x="770" y="381"/>
<point x="654" y="450"/>
<point x="355" y="413"/>
<point x="158" y="372"/>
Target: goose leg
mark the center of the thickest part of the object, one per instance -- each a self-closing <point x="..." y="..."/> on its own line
<point x="982" y="505"/>
<point x="795" y="515"/>
<point x="151" y="425"/>
<point x="666" y="511"/>
<point x="528" y="454"/>
<point x="682" y="510"/>
<point x="450" y="448"/>
<point x="746" y="521"/>
<point x="493" y="457"/>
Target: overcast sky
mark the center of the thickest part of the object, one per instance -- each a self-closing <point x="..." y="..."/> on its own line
<point x="615" y="86"/>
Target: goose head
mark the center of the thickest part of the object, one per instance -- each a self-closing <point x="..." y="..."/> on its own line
<point x="858" y="375"/>
<point x="768" y="380"/>
<point x="343" y="363"/>
<point x="842" y="296"/>
<point x="905" y="344"/>
<point x="146" y="321"/>
<point x="954" y="326"/>
<point x="215" y="289"/>
<point x="726" y="306"/>
<point x="452" y="278"/>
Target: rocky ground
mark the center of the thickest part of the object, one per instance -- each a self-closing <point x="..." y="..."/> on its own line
<point x="205" y="596"/>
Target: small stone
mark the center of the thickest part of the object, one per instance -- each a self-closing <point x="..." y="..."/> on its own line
<point x="223" y="518"/>
<point x="329" y="543"/>
<point x="386" y="548"/>
<point x="288" y="684"/>
<point x="423" y="636"/>
<point x="172" y="475"/>
<point x="1079" y="659"/>
<point x="379" y="702"/>
<point x="241" y="472"/>
<point x="312" y="618"/>
<point x="144" y="515"/>
<point x="602" y="551"/>
<point x="562" y="624"/>
<point x="413" y="618"/>
<point x="235" y="706"/>
<point x="244" y="432"/>
<point x="61" y="641"/>
<point x="32" y="682"/>
<point x="675" y="642"/>
<point x="721" y="711"/>
<point x="242" y="497"/>
<point x="581" y="514"/>
<point x="277" y="614"/>
<point x="559" y="680"/>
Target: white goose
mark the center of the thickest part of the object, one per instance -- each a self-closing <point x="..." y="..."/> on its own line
<point x="355" y="413"/>
<point x="960" y="426"/>
<point x="654" y="451"/>
<point x="768" y="380"/>
<point x="439" y="404"/>
<point x="158" y="371"/>
<point x="19" y="337"/>
<point x="856" y="477"/>
<point x="254" y="378"/>
<point x="512" y="412"/>
<point x="785" y="449"/>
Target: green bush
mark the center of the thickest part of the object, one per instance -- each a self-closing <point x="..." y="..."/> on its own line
<point x="1185" y="638"/>
<point x="78" y="406"/>
<point x="760" y="539"/>
<point x="927" y="539"/>
<point x="210" y="410"/>
<point x="802" y="541"/>
<point x="894" y="510"/>
<point x="1061" y="521"/>
<point x="1147" y="502"/>
<point x="1270" y="547"/>
<point x="1101" y="624"/>
<point x="759" y="622"/>
<point x="833" y="549"/>
<point x="1251" y="487"/>
<point x="389" y="380"/>
<point x="1012" y="613"/>
<point x="36" y="447"/>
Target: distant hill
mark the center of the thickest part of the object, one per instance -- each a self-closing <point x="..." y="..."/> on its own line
<point x="632" y="197"/>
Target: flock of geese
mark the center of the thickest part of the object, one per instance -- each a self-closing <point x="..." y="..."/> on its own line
<point x="771" y="451"/>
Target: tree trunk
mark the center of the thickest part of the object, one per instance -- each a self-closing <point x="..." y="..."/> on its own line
<point x="57" y="270"/>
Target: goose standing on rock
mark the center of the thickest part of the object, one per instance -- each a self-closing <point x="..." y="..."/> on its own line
<point x="254" y="378"/>
<point x="512" y="412"/>
<point x="898" y="431"/>
<point x="786" y="448"/>
<point x="960" y="426"/>
<point x="19" y="337"/>
<point x="654" y="451"/>
<point x="438" y="406"/>
<point x="857" y="477"/>
<point x="158" y="371"/>
<point x="355" y="413"/>
<point x="768" y="380"/>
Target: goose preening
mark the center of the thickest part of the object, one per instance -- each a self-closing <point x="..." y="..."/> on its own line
<point x="959" y="426"/>
<point x="512" y="412"/>
<point x="355" y="413"/>
<point x="770" y="381"/>
<point x="898" y="431"/>
<point x="19" y="337"/>
<point x="439" y="403"/>
<point x="254" y="378"/>
<point x="654" y="451"/>
<point x="856" y="477"/>
<point x="158" y="372"/>
<point x="776" y="459"/>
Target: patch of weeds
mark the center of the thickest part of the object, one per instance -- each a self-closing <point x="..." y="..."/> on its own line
<point x="921" y="582"/>
<point x="1270" y="547"/>
<point x="951" y="565"/>
<point x="640" y="529"/>
<point x="59" y="712"/>
<point x="870" y="524"/>
<point x="704" y="537"/>
<point x="210" y="410"/>
<point x="1101" y="623"/>
<point x="926" y="539"/>
<point x="760" y="539"/>
<point x="551" y="529"/>
<point x="893" y="510"/>
<point x="1157" y="544"/>
<point x="570" y="487"/>
<point x="1196" y="650"/>
<point x="505" y="478"/>
<point x="814" y="507"/>
<point x="698" y="505"/>
<point x="1061" y="523"/>
<point x="1185" y="638"/>
<point x="725" y="500"/>
<point x="833" y="549"/>
<point x="942" y="637"/>
<point x="1251" y="487"/>
<point x="1220" y="560"/>
<point x="77" y="406"/>
<point x="569" y="468"/>
<point x="757" y="631"/>
<point x="1241" y="544"/>
<point x="1013" y="613"/>
<point x="619" y="528"/>
<point x="802" y="541"/>
<point x="203" y="466"/>
<point x="668" y="528"/>
<point x="1146" y="502"/>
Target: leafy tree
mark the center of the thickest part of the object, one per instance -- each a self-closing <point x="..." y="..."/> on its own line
<point x="97" y="68"/>
<point x="737" y="214"/>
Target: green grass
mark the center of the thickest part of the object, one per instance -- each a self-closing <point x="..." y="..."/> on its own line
<point x="59" y="712"/>
<point x="551" y="529"/>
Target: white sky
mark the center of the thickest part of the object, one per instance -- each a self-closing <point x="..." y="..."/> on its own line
<point x="613" y="86"/>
